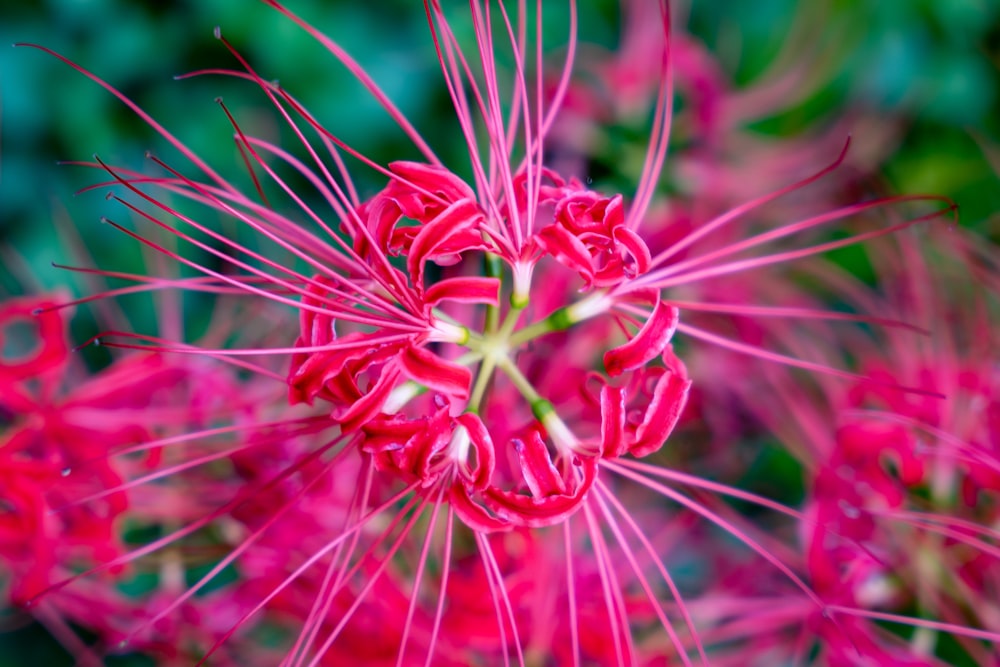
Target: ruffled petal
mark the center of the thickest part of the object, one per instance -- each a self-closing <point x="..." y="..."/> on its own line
<point x="464" y="290"/>
<point x="475" y="516"/>
<point x="450" y="233"/>
<point x="369" y="405"/>
<point x="480" y="472"/>
<point x="426" y="368"/>
<point x="669" y="398"/>
<point x="636" y="249"/>
<point x="540" y="475"/>
<point x="523" y="510"/>
<point x="50" y="349"/>
<point x="557" y="241"/>
<point x="431" y="179"/>
<point x="613" y="442"/>
<point x="646" y="345"/>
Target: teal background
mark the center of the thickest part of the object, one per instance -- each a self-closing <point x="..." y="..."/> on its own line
<point x="929" y="65"/>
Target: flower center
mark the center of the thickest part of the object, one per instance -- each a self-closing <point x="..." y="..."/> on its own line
<point x="493" y="383"/>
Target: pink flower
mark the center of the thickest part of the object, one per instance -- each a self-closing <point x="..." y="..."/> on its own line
<point x="498" y="351"/>
<point x="895" y="512"/>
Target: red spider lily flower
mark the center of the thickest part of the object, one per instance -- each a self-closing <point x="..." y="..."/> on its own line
<point x="511" y="376"/>
<point x="896" y="517"/>
<point x="49" y="432"/>
<point x="73" y="442"/>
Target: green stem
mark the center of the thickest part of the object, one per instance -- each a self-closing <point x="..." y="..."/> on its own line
<point x="559" y="320"/>
<point x="511" y="370"/>
<point x="493" y="267"/>
<point x="513" y="315"/>
<point x="482" y="382"/>
<point x="534" y="330"/>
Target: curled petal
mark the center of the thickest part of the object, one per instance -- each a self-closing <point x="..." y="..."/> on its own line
<point x="369" y="405"/>
<point x="636" y="248"/>
<point x="552" y="188"/>
<point x="464" y="290"/>
<point x="426" y="368"/>
<point x="382" y="214"/>
<point x="450" y="233"/>
<point x="421" y="192"/>
<point x="669" y="398"/>
<point x="429" y="444"/>
<point x="475" y="516"/>
<point x="432" y="179"/>
<point x="557" y="241"/>
<point x="336" y="371"/>
<point x="387" y="434"/>
<point x="613" y="442"/>
<point x="530" y="511"/>
<point x="646" y="345"/>
<point x="587" y="212"/>
<point x="480" y="472"/>
<point x="49" y="349"/>
<point x="541" y="476"/>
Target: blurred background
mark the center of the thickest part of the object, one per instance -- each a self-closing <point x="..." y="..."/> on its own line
<point x="919" y="77"/>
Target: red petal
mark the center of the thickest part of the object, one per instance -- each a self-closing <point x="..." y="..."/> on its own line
<point x="525" y="510"/>
<point x="536" y="465"/>
<point x="614" y="213"/>
<point x="429" y="443"/>
<point x="386" y="433"/>
<point x="636" y="247"/>
<point x="426" y="368"/>
<point x="479" y="435"/>
<point x="473" y="515"/>
<point x="568" y="249"/>
<point x="435" y="180"/>
<point x="613" y="442"/>
<point x="49" y="348"/>
<point x="646" y="345"/>
<point x="383" y="214"/>
<point x="461" y="217"/>
<point x="464" y="290"/>
<point x="312" y="373"/>
<point x="669" y="399"/>
<point x="370" y="404"/>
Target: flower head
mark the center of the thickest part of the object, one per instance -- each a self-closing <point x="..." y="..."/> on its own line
<point x="477" y="355"/>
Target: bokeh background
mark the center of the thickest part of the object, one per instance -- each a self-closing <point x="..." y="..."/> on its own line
<point x="921" y="75"/>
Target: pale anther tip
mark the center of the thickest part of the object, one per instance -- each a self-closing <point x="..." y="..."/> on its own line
<point x="217" y="31"/>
